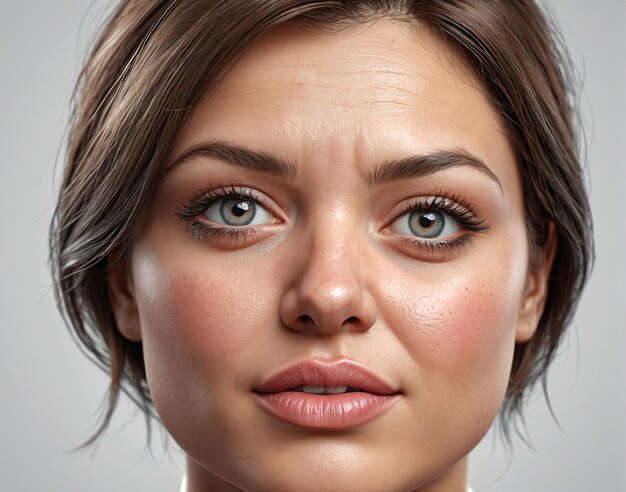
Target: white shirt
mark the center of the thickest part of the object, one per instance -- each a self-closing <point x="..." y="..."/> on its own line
<point x="183" y="485"/>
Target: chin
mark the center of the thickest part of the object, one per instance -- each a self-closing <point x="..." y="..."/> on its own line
<point x="339" y="465"/>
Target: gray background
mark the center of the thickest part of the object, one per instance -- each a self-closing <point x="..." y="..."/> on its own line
<point x="50" y="392"/>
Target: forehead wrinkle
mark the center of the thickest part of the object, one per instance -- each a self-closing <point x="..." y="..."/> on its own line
<point x="380" y="94"/>
<point x="384" y="121"/>
<point x="330" y="94"/>
<point x="299" y="76"/>
<point x="348" y="57"/>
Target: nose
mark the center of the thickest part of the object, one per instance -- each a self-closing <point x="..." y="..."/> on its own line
<point x="329" y="291"/>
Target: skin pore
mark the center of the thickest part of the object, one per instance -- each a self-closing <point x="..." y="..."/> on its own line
<point x="347" y="151"/>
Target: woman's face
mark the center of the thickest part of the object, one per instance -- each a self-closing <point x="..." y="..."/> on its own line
<point x="351" y="216"/>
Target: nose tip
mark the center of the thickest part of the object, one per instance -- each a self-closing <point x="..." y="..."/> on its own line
<point x="329" y="297"/>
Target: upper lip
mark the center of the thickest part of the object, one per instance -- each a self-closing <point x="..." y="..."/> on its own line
<point x="316" y="372"/>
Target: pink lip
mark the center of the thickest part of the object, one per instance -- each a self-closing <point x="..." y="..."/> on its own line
<point x="279" y="396"/>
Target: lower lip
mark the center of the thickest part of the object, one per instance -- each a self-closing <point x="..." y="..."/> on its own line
<point x="340" y="411"/>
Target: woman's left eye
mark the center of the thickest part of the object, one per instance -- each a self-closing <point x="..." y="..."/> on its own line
<point x="425" y="224"/>
<point x="237" y="212"/>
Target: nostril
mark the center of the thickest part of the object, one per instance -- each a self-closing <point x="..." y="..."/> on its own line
<point x="305" y="318"/>
<point x="352" y="320"/>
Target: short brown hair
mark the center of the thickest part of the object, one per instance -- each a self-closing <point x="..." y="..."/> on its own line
<point x="155" y="59"/>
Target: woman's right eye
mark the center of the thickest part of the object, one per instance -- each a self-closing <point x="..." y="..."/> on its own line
<point x="238" y="212"/>
<point x="227" y="217"/>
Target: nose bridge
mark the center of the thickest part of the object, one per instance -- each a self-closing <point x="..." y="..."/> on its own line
<point x="331" y="276"/>
<point x="330" y="290"/>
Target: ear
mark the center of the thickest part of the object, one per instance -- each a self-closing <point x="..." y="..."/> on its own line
<point x="536" y="290"/>
<point x="122" y="298"/>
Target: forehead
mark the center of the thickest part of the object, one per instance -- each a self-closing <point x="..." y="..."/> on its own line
<point x="372" y="91"/>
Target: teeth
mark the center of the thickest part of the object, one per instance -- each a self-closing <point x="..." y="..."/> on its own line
<point x="325" y="390"/>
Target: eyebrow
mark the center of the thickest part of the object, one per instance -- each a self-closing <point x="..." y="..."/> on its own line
<point x="238" y="156"/>
<point x="387" y="172"/>
<point x="424" y="165"/>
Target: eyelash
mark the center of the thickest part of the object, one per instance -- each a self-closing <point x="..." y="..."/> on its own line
<point x="452" y="205"/>
<point x="201" y="203"/>
<point x="456" y="207"/>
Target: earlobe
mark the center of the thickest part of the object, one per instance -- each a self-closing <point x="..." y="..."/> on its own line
<point x="536" y="290"/>
<point x="122" y="299"/>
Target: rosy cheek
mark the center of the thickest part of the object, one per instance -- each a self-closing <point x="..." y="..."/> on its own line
<point x="464" y="321"/>
<point x="193" y="319"/>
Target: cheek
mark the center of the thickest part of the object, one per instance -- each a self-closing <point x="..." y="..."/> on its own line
<point x="198" y="327"/>
<point x="460" y="327"/>
<point x="459" y="331"/>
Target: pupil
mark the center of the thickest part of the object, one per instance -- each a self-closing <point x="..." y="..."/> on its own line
<point x="427" y="224"/>
<point x="427" y="220"/>
<point x="240" y="208"/>
<point x="237" y="211"/>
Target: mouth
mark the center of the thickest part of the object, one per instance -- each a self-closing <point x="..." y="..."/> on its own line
<point x="326" y="395"/>
<point x="326" y="390"/>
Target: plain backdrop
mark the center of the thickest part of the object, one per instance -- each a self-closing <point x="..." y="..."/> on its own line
<point x="50" y="393"/>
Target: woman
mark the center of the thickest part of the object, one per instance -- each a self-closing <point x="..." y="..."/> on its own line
<point x="324" y="243"/>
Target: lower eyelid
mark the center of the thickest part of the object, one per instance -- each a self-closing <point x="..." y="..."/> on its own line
<point x="438" y="250"/>
<point x="225" y="237"/>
